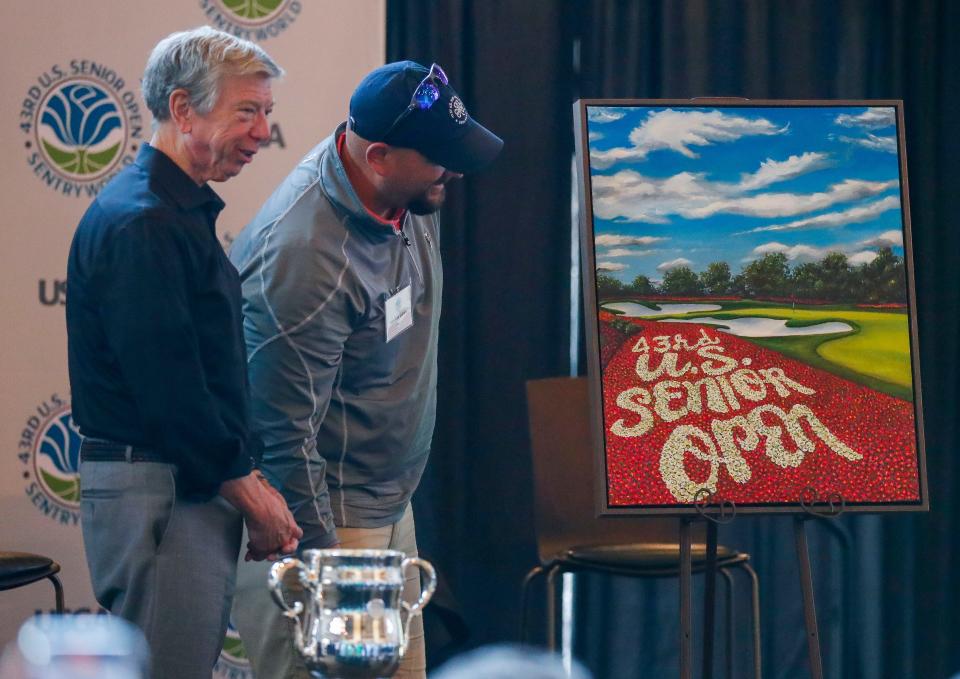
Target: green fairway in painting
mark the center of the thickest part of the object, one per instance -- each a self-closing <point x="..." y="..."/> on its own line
<point x="878" y="348"/>
<point x="807" y="348"/>
<point x="876" y="353"/>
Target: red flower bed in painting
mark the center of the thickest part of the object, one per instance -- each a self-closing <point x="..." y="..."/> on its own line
<point x="614" y="331"/>
<point x="610" y="341"/>
<point x="687" y="407"/>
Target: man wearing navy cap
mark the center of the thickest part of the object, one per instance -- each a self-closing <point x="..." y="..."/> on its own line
<point x="342" y="281"/>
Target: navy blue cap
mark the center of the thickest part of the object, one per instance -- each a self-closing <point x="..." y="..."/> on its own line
<point x="445" y="133"/>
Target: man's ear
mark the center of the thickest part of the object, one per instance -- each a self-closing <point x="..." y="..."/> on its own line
<point x="181" y="112"/>
<point x="378" y="157"/>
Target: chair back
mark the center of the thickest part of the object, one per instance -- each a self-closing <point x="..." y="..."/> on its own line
<point x="563" y="473"/>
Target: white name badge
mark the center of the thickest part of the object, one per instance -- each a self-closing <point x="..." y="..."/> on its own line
<point x="399" y="313"/>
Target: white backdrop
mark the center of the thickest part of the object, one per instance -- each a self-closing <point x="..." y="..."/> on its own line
<point x="96" y="50"/>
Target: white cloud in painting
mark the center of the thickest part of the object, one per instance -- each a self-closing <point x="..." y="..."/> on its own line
<point x="627" y="252"/>
<point x="604" y="114"/>
<point x="663" y="267"/>
<point x="862" y="257"/>
<point x="854" y="215"/>
<point x="679" y="131"/>
<point x="773" y="171"/>
<point x="871" y="119"/>
<point x="610" y="239"/>
<point x="802" y="253"/>
<point x="630" y="196"/>
<point x="795" y="253"/>
<point x="770" y="247"/>
<point x="610" y="266"/>
<point x="789" y="204"/>
<point x="887" y="239"/>
<point x="873" y="142"/>
<point x="596" y="136"/>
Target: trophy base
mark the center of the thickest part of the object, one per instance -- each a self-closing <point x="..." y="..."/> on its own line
<point x="338" y="669"/>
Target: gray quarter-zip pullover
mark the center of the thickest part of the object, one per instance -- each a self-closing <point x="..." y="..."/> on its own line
<point x="346" y="416"/>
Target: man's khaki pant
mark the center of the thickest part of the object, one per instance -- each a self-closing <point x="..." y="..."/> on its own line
<point x="267" y="635"/>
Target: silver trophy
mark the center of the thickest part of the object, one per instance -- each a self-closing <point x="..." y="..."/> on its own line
<point x="350" y="621"/>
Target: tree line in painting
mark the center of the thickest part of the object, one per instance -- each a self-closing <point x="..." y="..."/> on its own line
<point x="832" y="279"/>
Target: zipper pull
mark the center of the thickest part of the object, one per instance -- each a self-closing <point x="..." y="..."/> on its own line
<point x="406" y="241"/>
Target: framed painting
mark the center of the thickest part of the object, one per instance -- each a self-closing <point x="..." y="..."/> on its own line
<point x="749" y="302"/>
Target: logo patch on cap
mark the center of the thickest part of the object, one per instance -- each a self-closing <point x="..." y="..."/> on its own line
<point x="457" y="110"/>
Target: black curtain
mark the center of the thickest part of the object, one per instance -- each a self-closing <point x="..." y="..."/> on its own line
<point x="505" y="240"/>
<point x="890" y="604"/>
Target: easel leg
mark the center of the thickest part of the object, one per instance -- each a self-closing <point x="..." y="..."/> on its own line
<point x="755" y="611"/>
<point x="686" y="602"/>
<point x="525" y="599"/>
<point x="728" y="655"/>
<point x="709" y="599"/>
<point x="809" y="608"/>
<point x="552" y="609"/>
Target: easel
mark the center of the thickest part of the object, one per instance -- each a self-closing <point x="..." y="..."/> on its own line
<point x="725" y="512"/>
<point x="834" y="506"/>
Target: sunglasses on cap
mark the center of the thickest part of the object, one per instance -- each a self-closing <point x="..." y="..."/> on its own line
<point x="424" y="96"/>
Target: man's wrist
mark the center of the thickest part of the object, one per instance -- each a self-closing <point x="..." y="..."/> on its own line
<point x="243" y="492"/>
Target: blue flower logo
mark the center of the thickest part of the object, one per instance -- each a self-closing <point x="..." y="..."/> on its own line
<point x="81" y="129"/>
<point x="58" y="458"/>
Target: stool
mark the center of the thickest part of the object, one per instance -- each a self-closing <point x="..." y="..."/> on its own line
<point x="649" y="560"/>
<point x="571" y="539"/>
<point x="18" y="569"/>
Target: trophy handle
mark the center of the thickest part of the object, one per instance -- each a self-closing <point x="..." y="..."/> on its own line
<point x="300" y="618"/>
<point x="275" y="583"/>
<point x="427" y="589"/>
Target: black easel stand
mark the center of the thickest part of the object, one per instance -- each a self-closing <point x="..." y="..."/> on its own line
<point x="686" y="601"/>
<point x="813" y="508"/>
<point x="724" y="512"/>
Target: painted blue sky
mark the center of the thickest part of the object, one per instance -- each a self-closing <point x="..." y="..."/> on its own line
<point x="688" y="186"/>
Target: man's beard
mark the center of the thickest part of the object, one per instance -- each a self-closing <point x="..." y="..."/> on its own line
<point x="424" y="205"/>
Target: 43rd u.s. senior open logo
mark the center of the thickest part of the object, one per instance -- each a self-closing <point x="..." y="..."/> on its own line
<point x="252" y="19"/>
<point x="49" y="449"/>
<point x="82" y="124"/>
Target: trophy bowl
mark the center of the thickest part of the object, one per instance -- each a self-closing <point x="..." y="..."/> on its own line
<point x="351" y="621"/>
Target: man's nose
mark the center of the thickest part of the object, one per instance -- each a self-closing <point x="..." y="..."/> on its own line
<point x="261" y="128"/>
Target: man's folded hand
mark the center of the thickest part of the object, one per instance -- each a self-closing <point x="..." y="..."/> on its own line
<point x="270" y="525"/>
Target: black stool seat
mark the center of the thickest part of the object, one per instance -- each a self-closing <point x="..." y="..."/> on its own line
<point x="22" y="568"/>
<point x="646" y="558"/>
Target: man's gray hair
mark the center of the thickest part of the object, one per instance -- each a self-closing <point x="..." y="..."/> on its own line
<point x="197" y="61"/>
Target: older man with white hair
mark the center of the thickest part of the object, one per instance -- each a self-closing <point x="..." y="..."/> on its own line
<point x="158" y="363"/>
